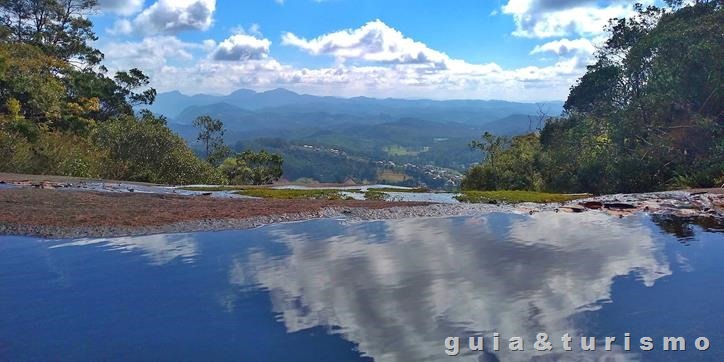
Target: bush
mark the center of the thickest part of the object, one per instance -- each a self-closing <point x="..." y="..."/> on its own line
<point x="147" y="150"/>
<point x="52" y="153"/>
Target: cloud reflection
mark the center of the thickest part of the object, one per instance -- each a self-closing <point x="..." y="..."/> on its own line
<point x="160" y="249"/>
<point x="433" y="278"/>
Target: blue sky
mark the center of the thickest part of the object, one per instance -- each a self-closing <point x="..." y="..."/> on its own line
<point x="523" y="50"/>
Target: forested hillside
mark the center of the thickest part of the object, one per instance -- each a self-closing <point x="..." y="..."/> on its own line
<point x="62" y="113"/>
<point x="646" y="116"/>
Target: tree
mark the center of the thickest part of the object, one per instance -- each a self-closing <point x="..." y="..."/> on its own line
<point x="211" y="135"/>
<point x="491" y="146"/>
<point x="61" y="114"/>
<point x="255" y="168"/>
<point x="53" y="39"/>
<point x="147" y="150"/>
<point x="647" y="115"/>
<point x="510" y="164"/>
<point x="59" y="27"/>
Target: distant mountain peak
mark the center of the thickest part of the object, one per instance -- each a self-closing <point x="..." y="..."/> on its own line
<point x="280" y="91"/>
<point x="242" y="91"/>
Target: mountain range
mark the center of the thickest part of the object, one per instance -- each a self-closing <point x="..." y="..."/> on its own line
<point x="178" y="106"/>
<point x="316" y="133"/>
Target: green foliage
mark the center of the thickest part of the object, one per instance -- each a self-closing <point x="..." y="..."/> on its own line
<point x="30" y="80"/>
<point x="146" y="150"/>
<point x="58" y="27"/>
<point x="505" y="196"/>
<point x="394" y="189"/>
<point x="646" y="116"/>
<point x="49" y="152"/>
<point x="374" y="194"/>
<point x="60" y="114"/>
<point x="211" y="135"/>
<point x="252" y="168"/>
<point x="214" y="188"/>
<point x="509" y="163"/>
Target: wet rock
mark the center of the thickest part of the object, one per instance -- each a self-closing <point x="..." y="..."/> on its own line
<point x="686" y="213"/>
<point x="572" y="208"/>
<point x="45" y="185"/>
<point x="619" y="206"/>
<point x="594" y="205"/>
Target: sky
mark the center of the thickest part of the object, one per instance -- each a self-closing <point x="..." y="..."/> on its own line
<point x="517" y="50"/>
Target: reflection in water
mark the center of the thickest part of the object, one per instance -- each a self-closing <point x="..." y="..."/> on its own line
<point x="434" y="278"/>
<point x="324" y="290"/>
<point x="683" y="228"/>
<point x="161" y="248"/>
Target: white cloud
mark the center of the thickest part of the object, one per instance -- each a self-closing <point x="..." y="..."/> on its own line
<point x="175" y="16"/>
<point x="374" y="41"/>
<point x="465" y="285"/>
<point x="373" y="60"/>
<point x="122" y="7"/>
<point x="120" y="27"/>
<point x="254" y="29"/>
<point x="209" y="45"/>
<point x="566" y="48"/>
<point x="242" y="47"/>
<point x="161" y="249"/>
<point x="150" y="54"/>
<point x="556" y="18"/>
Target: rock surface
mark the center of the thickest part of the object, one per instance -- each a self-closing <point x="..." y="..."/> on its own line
<point x="103" y="209"/>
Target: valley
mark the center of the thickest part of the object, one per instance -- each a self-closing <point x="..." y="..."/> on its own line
<point x="361" y="140"/>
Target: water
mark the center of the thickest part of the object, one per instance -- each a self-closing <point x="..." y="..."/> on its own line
<point x="390" y="291"/>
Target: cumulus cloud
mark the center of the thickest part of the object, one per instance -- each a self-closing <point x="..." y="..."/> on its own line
<point x="242" y="47"/>
<point x="566" y="48"/>
<point x="152" y="53"/>
<point x="466" y="285"/>
<point x="122" y="7"/>
<point x="175" y="16"/>
<point x="374" y="41"/>
<point x="556" y="18"/>
<point x="159" y="249"/>
<point x="120" y="27"/>
<point x="373" y="60"/>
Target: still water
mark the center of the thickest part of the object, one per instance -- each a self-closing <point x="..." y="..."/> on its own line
<point x="390" y="291"/>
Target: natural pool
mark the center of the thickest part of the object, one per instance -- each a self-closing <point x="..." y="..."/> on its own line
<point x="327" y="290"/>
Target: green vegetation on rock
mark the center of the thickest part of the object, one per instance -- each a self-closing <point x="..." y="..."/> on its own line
<point x="513" y="197"/>
<point x="375" y="194"/>
<point x="269" y="193"/>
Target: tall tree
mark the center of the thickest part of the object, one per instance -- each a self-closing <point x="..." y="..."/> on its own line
<point x="211" y="135"/>
<point x="60" y="27"/>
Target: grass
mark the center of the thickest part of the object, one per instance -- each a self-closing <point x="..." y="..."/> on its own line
<point x="375" y="194"/>
<point x="515" y="197"/>
<point x="213" y="188"/>
<point x="393" y="189"/>
<point x="287" y="194"/>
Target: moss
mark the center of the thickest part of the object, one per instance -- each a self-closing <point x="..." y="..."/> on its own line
<point x="393" y="189"/>
<point x="214" y="188"/>
<point x="494" y="197"/>
<point x="286" y="194"/>
<point x="375" y="194"/>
